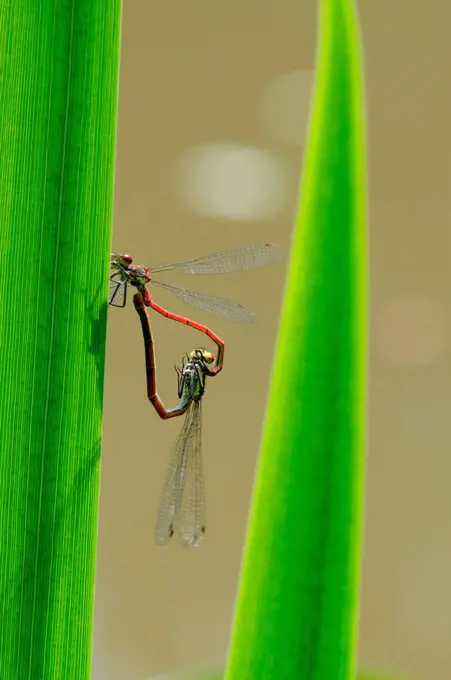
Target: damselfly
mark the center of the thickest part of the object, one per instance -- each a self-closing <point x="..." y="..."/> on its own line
<point x="123" y="274"/>
<point x="149" y="355"/>
<point x="182" y="502"/>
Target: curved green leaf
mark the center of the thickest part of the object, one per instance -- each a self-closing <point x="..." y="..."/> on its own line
<point x="219" y="675"/>
<point x="58" y="94"/>
<point x="296" y="614"/>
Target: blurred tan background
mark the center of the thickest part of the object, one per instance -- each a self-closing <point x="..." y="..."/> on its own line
<point x="213" y="104"/>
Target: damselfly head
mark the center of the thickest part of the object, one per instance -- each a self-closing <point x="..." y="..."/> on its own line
<point x="122" y="259"/>
<point x="202" y="355"/>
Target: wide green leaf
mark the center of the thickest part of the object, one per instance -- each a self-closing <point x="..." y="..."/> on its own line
<point x="58" y="93"/>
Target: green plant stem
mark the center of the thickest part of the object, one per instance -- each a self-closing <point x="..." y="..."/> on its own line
<point x="296" y="614"/>
<point x="58" y="96"/>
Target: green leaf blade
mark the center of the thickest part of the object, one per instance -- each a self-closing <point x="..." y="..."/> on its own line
<point x="296" y="613"/>
<point x="59" y="91"/>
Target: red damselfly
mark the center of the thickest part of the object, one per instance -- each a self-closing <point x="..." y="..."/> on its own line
<point x="123" y="273"/>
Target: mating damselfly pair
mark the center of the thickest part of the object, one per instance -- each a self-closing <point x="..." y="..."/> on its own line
<point x="182" y="502"/>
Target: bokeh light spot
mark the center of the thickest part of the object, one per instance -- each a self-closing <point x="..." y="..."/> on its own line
<point x="233" y="182"/>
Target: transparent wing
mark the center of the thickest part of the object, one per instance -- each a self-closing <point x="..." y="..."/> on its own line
<point x="238" y="259"/>
<point x="116" y="268"/>
<point x="117" y="294"/>
<point x="209" y="303"/>
<point x="114" y="257"/>
<point x="191" y="511"/>
<point x="174" y="483"/>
